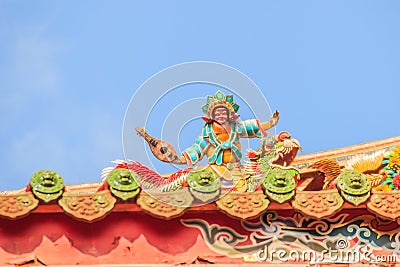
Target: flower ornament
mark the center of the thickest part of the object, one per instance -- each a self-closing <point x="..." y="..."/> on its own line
<point x="396" y="181"/>
<point x="392" y="169"/>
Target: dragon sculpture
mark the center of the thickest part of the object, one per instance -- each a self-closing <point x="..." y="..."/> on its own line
<point x="274" y="152"/>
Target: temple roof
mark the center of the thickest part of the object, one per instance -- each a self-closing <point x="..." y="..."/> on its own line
<point x="93" y="201"/>
<point x="345" y="153"/>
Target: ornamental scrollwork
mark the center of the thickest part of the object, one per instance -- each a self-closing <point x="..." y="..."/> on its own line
<point x="15" y="206"/>
<point x="385" y="204"/>
<point x="317" y="204"/>
<point x="88" y="207"/>
<point x="243" y="205"/>
<point x="166" y="205"/>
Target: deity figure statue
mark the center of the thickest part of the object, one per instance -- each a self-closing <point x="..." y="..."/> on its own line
<point x="219" y="141"/>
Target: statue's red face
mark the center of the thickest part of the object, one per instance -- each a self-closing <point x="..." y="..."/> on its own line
<point x="220" y="115"/>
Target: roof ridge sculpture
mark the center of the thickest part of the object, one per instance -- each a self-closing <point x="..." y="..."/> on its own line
<point x="100" y="200"/>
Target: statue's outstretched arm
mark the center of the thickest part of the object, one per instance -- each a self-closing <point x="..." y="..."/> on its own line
<point x="272" y="121"/>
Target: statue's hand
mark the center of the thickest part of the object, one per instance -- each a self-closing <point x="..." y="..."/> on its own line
<point x="172" y="157"/>
<point x="179" y="160"/>
<point x="272" y="121"/>
<point x="274" y="118"/>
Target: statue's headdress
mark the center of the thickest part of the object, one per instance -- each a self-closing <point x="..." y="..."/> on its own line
<point x="220" y="100"/>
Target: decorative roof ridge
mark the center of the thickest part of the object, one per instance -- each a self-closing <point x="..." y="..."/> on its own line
<point x="90" y="187"/>
<point x="316" y="182"/>
<point x="299" y="160"/>
<point x="12" y="192"/>
<point x="336" y="153"/>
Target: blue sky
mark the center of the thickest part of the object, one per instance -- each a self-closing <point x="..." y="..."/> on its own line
<point x="68" y="70"/>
